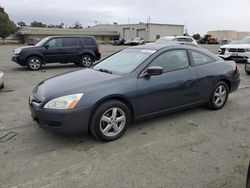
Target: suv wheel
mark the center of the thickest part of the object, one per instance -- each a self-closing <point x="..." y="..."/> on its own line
<point x="219" y="96"/>
<point x="110" y="121"/>
<point x="86" y="61"/>
<point x="247" y="71"/>
<point x="34" y="63"/>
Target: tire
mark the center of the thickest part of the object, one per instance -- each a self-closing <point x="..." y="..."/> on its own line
<point x="2" y="86"/>
<point x="248" y="72"/>
<point x="104" y="124"/>
<point x="86" y="61"/>
<point x="218" y="96"/>
<point x="34" y="63"/>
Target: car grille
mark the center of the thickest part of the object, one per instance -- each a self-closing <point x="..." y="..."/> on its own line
<point x="222" y="51"/>
<point x="240" y="50"/>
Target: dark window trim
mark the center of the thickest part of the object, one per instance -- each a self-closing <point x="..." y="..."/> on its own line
<point x="79" y="42"/>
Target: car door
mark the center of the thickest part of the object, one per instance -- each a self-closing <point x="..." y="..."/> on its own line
<point x="71" y="47"/>
<point x="53" y="50"/>
<point x="174" y="88"/>
<point x="205" y="72"/>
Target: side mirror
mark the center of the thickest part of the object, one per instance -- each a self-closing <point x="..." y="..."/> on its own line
<point x="153" y="71"/>
<point x="46" y="46"/>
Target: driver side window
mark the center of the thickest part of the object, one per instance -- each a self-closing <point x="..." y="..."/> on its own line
<point x="55" y="43"/>
<point x="172" y="60"/>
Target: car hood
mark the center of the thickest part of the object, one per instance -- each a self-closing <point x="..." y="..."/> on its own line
<point x="70" y="83"/>
<point x="236" y="46"/>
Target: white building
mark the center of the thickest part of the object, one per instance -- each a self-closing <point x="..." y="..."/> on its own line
<point x="228" y="34"/>
<point x="149" y="32"/>
<point x="30" y="34"/>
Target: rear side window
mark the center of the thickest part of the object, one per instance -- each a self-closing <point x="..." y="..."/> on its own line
<point x="200" y="58"/>
<point x="88" y="41"/>
<point x="71" y="42"/>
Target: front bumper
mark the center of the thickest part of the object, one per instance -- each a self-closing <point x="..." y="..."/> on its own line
<point x="63" y="121"/>
<point x="236" y="56"/>
<point x="17" y="58"/>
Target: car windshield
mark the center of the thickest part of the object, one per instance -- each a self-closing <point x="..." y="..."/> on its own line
<point x="243" y="41"/>
<point x="164" y="41"/>
<point x="124" y="61"/>
<point x="42" y="42"/>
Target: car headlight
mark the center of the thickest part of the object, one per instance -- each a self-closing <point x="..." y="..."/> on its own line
<point x="64" y="102"/>
<point x="17" y="51"/>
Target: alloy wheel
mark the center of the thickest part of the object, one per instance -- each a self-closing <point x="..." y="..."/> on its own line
<point x="112" y="122"/>
<point x="34" y="64"/>
<point x="220" y="95"/>
<point x="86" y="61"/>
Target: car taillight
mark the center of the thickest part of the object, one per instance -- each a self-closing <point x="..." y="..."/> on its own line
<point x="237" y="70"/>
<point x="98" y="49"/>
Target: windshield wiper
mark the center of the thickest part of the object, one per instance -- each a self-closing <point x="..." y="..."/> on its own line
<point x="105" y="70"/>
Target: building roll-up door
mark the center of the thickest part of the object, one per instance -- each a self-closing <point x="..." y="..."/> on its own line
<point x="141" y="33"/>
<point x="127" y="33"/>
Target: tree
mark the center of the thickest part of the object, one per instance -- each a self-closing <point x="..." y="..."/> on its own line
<point x="21" y="24"/>
<point x="197" y="36"/>
<point x="56" y="26"/>
<point x="37" y="24"/>
<point x="76" y="25"/>
<point x="7" y="26"/>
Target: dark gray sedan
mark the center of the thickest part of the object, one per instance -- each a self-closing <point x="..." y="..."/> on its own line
<point x="133" y="84"/>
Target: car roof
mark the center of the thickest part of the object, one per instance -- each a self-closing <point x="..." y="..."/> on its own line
<point x="174" y="46"/>
<point x="161" y="46"/>
<point x="70" y="36"/>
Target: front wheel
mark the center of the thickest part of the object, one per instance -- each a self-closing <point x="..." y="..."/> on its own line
<point x="34" y="63"/>
<point x="86" y="61"/>
<point x="110" y="120"/>
<point x="247" y="71"/>
<point x="218" y="96"/>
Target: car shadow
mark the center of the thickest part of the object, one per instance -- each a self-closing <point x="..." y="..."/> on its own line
<point x="143" y="125"/>
<point x="50" y="67"/>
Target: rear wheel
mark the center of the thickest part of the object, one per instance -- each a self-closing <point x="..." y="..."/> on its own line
<point x="247" y="71"/>
<point x="110" y="120"/>
<point x="86" y="61"/>
<point x="218" y="96"/>
<point x="34" y="63"/>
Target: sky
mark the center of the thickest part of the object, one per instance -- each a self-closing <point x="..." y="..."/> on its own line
<point x="199" y="16"/>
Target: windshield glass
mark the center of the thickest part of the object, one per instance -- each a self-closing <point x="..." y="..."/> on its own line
<point x="244" y="41"/>
<point x="164" y="41"/>
<point x="42" y="42"/>
<point x="124" y="61"/>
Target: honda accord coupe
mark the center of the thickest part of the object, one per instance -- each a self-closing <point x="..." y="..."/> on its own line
<point x="133" y="84"/>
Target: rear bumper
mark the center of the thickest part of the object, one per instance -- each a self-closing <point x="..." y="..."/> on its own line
<point x="62" y="121"/>
<point x="97" y="56"/>
<point x="235" y="83"/>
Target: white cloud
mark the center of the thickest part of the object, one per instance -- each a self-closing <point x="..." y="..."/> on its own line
<point x="200" y="15"/>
